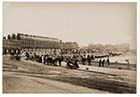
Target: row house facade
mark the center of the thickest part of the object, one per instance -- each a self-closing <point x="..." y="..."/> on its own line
<point x="30" y="43"/>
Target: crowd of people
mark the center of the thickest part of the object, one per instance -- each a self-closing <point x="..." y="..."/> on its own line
<point x="55" y="60"/>
<point x="71" y="60"/>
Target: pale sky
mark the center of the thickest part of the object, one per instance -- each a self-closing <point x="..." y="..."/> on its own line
<point x="105" y="23"/>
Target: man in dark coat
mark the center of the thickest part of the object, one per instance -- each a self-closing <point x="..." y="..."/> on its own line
<point x="103" y="62"/>
<point x="89" y="60"/>
<point x="108" y="61"/>
<point x="100" y="62"/>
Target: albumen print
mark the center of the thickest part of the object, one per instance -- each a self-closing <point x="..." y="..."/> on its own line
<point x="69" y="47"/>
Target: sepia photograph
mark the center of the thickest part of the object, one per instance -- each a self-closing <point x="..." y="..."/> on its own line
<point x="69" y="47"/>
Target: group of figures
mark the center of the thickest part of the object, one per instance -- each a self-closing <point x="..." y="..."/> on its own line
<point x="72" y="60"/>
<point x="54" y="60"/>
<point x="102" y="62"/>
<point x="87" y="59"/>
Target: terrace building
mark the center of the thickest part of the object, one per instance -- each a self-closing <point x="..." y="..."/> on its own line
<point x="31" y="43"/>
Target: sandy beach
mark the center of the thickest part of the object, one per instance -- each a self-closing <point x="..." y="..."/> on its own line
<point x="32" y="77"/>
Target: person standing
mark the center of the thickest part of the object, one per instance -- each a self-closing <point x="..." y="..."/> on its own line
<point x="89" y="60"/>
<point x="27" y="55"/>
<point x="44" y="58"/>
<point x="60" y="59"/>
<point x="103" y="62"/>
<point x="100" y="62"/>
<point x="108" y="61"/>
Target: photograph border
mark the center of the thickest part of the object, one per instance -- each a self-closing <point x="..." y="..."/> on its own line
<point x="80" y="95"/>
